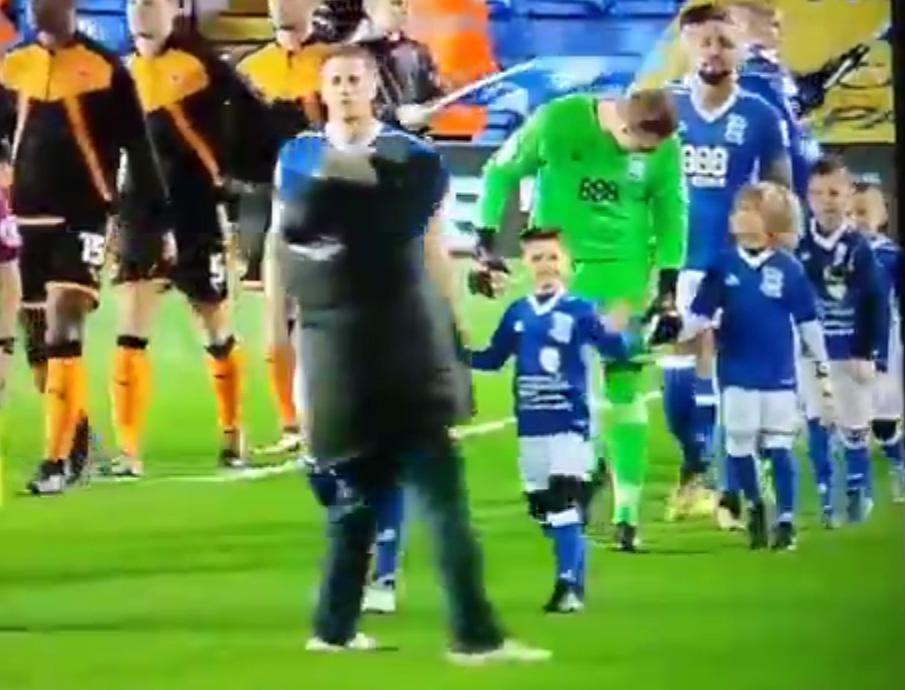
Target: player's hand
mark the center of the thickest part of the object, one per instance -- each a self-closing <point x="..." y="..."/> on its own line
<point x="827" y="408"/>
<point x="490" y="274"/>
<point x="413" y="116"/>
<point x="351" y="166"/>
<point x="861" y="370"/>
<point x="617" y="318"/>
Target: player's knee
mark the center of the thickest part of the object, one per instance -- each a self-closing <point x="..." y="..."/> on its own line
<point x="34" y="324"/>
<point x="855" y="439"/>
<point x="564" y="501"/>
<point x="565" y="493"/>
<point x="741" y="443"/>
<point x="222" y="350"/>
<point x="537" y="505"/>
<point x="887" y="430"/>
<point x="778" y="441"/>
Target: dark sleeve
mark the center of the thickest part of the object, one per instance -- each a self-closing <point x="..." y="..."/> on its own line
<point x="7" y="115"/>
<point x="871" y="314"/>
<point x="144" y="203"/>
<point x="501" y="348"/>
<point x="249" y="148"/>
<point x="709" y="295"/>
<point x="428" y="86"/>
<point x="609" y="344"/>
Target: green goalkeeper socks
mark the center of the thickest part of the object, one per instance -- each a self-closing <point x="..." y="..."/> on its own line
<point x="626" y="436"/>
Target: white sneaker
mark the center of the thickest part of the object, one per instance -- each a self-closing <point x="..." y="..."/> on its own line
<point x="289" y="442"/>
<point x="510" y="650"/>
<point x="49" y="479"/>
<point x="727" y="521"/>
<point x="359" y="643"/>
<point x="379" y="598"/>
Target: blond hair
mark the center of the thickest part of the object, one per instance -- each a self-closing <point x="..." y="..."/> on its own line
<point x="777" y="205"/>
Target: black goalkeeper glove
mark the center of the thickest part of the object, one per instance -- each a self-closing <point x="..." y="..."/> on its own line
<point x="480" y="279"/>
<point x="662" y="318"/>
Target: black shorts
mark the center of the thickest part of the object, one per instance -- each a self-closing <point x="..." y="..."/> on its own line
<point x="68" y="255"/>
<point x="200" y="268"/>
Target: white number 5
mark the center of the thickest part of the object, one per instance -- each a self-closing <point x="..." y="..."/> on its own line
<point x="218" y="271"/>
<point x="93" y="248"/>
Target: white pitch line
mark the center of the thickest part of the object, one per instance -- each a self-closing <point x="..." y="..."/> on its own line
<point x="254" y="473"/>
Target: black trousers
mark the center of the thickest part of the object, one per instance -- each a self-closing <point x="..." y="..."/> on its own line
<point x="434" y="471"/>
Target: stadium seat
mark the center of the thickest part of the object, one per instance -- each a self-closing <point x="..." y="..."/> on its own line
<point x="564" y="8"/>
<point x="597" y="36"/>
<point x="646" y="8"/>
<point x="499" y="9"/>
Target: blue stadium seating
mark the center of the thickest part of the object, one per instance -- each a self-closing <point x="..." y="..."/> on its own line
<point x="560" y="36"/>
<point x="564" y="8"/>
<point x="646" y="8"/>
<point x="500" y="9"/>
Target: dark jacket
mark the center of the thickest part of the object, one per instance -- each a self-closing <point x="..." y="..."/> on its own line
<point x="69" y="114"/>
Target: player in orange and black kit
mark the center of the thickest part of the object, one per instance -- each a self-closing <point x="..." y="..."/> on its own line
<point x="70" y="109"/>
<point x="286" y="73"/>
<point x="196" y="106"/>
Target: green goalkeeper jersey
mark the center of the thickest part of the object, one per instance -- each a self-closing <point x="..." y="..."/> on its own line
<point x="622" y="212"/>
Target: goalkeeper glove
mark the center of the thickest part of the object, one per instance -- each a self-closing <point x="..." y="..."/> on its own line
<point x="480" y="279"/>
<point x="662" y="317"/>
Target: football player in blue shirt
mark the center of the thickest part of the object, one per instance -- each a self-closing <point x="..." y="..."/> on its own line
<point x="549" y="332"/>
<point x="870" y="215"/>
<point x="729" y="138"/>
<point x="759" y="282"/>
<point x="763" y="73"/>
<point x="853" y="311"/>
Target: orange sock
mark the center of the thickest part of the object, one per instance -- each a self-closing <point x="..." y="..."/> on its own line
<point x="225" y="367"/>
<point x="130" y="392"/>
<point x="65" y="398"/>
<point x="281" y="370"/>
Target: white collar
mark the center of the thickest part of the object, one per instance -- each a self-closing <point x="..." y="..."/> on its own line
<point x="333" y="137"/>
<point x="754" y="260"/>
<point x="827" y="242"/>
<point x="547" y="306"/>
<point x="711" y="116"/>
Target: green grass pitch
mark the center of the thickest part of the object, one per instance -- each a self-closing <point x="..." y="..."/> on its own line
<point x="170" y="584"/>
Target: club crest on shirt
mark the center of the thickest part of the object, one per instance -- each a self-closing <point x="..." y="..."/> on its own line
<point x="636" y="167"/>
<point x="771" y="282"/>
<point x="735" y="129"/>
<point x="561" y="329"/>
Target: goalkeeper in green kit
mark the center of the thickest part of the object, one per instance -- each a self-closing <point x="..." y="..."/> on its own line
<point x="609" y="173"/>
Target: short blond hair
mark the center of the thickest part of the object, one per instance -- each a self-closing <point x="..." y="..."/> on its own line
<point x="778" y="207"/>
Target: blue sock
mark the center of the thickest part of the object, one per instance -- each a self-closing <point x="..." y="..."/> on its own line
<point x="567" y="537"/>
<point x="730" y="484"/>
<point x="704" y="419"/>
<point x="678" y="406"/>
<point x="892" y="450"/>
<point x="819" y="453"/>
<point x="746" y="472"/>
<point x="390" y="512"/>
<point x="857" y="460"/>
<point x="783" y="482"/>
<point x="581" y="570"/>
